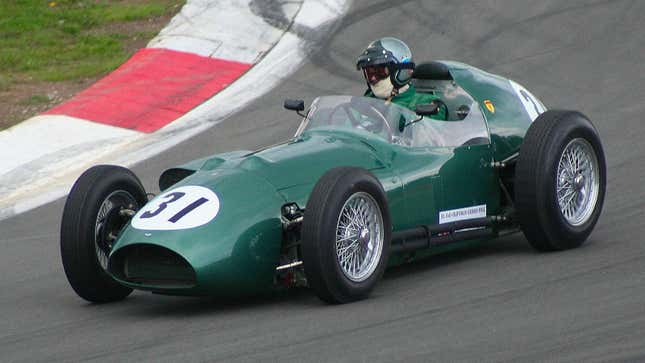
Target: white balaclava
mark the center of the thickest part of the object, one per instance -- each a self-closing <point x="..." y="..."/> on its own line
<point x="383" y="88"/>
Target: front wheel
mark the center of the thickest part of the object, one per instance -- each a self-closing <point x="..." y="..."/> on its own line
<point x="99" y="205"/>
<point x="346" y="235"/>
<point x="560" y="181"/>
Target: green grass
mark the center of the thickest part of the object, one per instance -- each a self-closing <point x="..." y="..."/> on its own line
<point x="5" y="82"/>
<point x="67" y="39"/>
<point x="35" y="100"/>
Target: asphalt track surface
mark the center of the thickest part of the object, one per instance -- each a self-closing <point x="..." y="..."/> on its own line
<point x="500" y="301"/>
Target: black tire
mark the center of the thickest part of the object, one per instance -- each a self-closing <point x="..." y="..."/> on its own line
<point x="536" y="200"/>
<point x="82" y="230"/>
<point x="324" y="273"/>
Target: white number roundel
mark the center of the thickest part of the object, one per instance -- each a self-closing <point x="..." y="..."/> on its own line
<point x="531" y="104"/>
<point x="180" y="208"/>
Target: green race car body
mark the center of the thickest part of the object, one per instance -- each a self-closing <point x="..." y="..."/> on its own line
<point x="227" y="224"/>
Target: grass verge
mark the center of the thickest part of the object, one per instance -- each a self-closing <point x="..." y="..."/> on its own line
<point x="50" y="50"/>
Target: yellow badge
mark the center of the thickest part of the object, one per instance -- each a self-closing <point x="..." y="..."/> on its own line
<point x="489" y="106"/>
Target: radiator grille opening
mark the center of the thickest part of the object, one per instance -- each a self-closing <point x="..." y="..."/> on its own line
<point x="151" y="265"/>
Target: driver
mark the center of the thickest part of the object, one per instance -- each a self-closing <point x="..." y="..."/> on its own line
<point x="387" y="67"/>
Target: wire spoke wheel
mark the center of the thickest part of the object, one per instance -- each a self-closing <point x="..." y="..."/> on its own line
<point x="560" y="180"/>
<point x="577" y="182"/>
<point x="99" y="205"/>
<point x="359" y="237"/>
<point x="109" y="223"/>
<point x="346" y="235"/>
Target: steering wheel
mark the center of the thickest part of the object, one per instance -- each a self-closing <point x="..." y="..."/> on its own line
<point x="345" y="107"/>
<point x="350" y="115"/>
<point x="365" y="110"/>
<point x="375" y="115"/>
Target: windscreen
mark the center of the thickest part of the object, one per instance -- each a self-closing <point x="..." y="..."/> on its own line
<point x="393" y="123"/>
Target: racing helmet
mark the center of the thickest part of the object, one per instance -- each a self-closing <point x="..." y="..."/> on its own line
<point x="386" y="57"/>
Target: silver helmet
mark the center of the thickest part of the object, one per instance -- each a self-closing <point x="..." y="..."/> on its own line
<point x="392" y="54"/>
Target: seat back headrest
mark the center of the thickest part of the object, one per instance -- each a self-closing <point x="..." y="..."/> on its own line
<point x="432" y="70"/>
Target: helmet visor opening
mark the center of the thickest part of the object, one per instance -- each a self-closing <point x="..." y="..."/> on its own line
<point x="374" y="74"/>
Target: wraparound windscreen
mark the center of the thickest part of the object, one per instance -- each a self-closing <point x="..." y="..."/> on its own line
<point x="383" y="119"/>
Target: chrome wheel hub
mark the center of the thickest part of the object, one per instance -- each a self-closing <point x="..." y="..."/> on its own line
<point x="578" y="182"/>
<point x="109" y="223"/>
<point x="364" y="236"/>
<point x="359" y="237"/>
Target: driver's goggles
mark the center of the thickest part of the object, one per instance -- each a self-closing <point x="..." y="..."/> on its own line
<point x="373" y="74"/>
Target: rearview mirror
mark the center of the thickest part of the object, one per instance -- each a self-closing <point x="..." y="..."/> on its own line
<point x="294" y="105"/>
<point x="427" y="109"/>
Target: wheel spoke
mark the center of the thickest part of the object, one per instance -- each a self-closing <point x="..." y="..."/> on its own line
<point x="108" y="223"/>
<point x="564" y="186"/>
<point x="577" y="181"/>
<point x="566" y="195"/>
<point x="353" y="237"/>
<point x="346" y="251"/>
<point x="359" y="236"/>
<point x="570" y="198"/>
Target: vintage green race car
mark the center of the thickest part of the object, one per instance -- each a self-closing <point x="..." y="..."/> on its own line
<point x="362" y="185"/>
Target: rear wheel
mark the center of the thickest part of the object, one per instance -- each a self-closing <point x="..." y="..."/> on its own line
<point x="560" y="181"/>
<point x="346" y="235"/>
<point x="99" y="205"/>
